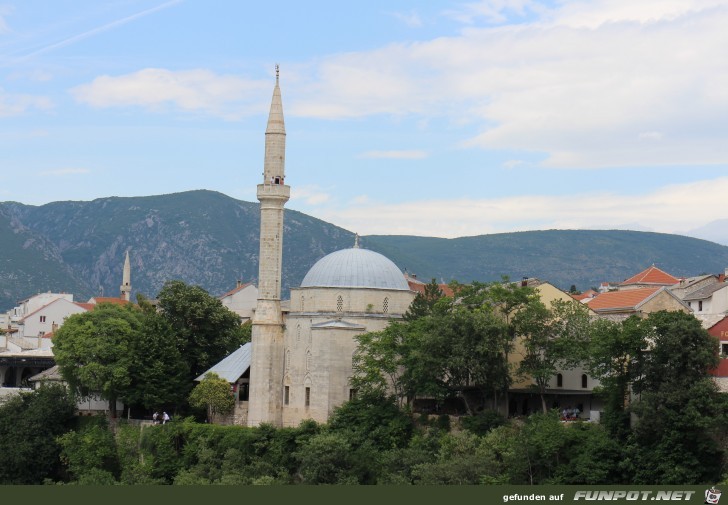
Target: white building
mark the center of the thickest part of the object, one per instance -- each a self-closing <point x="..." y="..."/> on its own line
<point x="241" y="300"/>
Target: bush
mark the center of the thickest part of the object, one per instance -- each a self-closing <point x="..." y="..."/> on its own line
<point x="483" y="422"/>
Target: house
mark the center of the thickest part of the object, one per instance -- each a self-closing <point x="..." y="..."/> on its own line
<point x="568" y="388"/>
<point x="709" y="303"/>
<point x="241" y="300"/>
<point x="720" y="331"/>
<point x="618" y="305"/>
<point x="418" y="286"/>
<point x="88" y="406"/>
<point x="651" y="277"/>
<point x="235" y="369"/>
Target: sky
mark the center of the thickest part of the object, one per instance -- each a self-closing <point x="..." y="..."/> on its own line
<point x="442" y="119"/>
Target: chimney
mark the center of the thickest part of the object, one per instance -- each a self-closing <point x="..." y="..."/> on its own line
<point x="238" y="283"/>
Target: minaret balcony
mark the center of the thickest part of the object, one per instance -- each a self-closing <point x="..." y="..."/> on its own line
<point x="274" y="191"/>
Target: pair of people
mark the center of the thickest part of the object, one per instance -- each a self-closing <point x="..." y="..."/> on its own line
<point x="163" y="419"/>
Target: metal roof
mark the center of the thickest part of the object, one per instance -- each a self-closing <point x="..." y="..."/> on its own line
<point x="355" y="268"/>
<point x="233" y="366"/>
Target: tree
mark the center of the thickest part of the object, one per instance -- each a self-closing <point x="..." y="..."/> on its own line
<point x="615" y="357"/>
<point x="424" y="303"/>
<point x="94" y="351"/>
<point x="159" y="373"/>
<point x="680" y="413"/>
<point x="213" y="393"/>
<point x="551" y="339"/>
<point x="29" y="426"/>
<point x="206" y="330"/>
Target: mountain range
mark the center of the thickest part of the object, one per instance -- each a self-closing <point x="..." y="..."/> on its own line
<point x="209" y="239"/>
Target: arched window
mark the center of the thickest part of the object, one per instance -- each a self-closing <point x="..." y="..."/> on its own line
<point x="385" y="305"/>
<point x="583" y="380"/>
<point x="339" y="303"/>
<point x="309" y="360"/>
<point x="302" y="304"/>
<point x="287" y="361"/>
<point x="298" y="333"/>
<point x="559" y="380"/>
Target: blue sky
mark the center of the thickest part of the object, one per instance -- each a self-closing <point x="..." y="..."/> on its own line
<point x="403" y="117"/>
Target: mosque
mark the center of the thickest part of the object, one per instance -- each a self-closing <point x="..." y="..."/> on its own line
<point x="301" y="355"/>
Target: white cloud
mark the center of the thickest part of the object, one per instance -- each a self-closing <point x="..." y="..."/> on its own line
<point x="202" y="91"/>
<point x="589" y="84"/>
<point x="17" y="104"/>
<point x="396" y="155"/>
<point x="411" y="18"/>
<point x="663" y="210"/>
<point x="493" y="11"/>
<point x="311" y="195"/>
<point x="61" y="172"/>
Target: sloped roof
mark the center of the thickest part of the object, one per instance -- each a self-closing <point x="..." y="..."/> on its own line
<point x="233" y="366"/>
<point x="629" y="299"/>
<point x="705" y="292"/>
<point x="418" y="286"/>
<point x="235" y="290"/>
<point x="586" y="294"/>
<point x="52" y="374"/>
<point x="652" y="275"/>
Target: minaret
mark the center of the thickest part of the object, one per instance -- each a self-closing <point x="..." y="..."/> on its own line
<point x="126" y="279"/>
<point x="266" y="370"/>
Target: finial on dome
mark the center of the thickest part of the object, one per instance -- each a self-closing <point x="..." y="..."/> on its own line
<point x="356" y="241"/>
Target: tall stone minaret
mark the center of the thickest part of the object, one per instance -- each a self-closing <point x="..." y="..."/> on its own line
<point x="126" y="279"/>
<point x="266" y="370"/>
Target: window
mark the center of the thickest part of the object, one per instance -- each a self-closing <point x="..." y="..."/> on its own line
<point x="700" y="305"/>
<point x="724" y="349"/>
<point x="352" y="394"/>
<point x="339" y="304"/>
<point x="309" y="360"/>
<point x="385" y="305"/>
<point x="690" y="304"/>
<point x="42" y="319"/>
<point x="584" y="380"/>
<point x="286" y="393"/>
<point x="302" y="304"/>
<point x="308" y="397"/>
<point x="559" y="381"/>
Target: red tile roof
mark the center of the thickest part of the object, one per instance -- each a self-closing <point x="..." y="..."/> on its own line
<point x="586" y="294"/>
<point x="652" y="275"/>
<point x="628" y="299"/>
<point x="235" y="290"/>
<point x="86" y="306"/>
<point x="419" y="287"/>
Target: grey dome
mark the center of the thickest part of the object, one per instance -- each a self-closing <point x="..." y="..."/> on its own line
<point x="355" y="268"/>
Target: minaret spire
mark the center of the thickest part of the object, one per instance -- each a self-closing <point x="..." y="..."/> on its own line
<point x="266" y="397"/>
<point x="126" y="279"/>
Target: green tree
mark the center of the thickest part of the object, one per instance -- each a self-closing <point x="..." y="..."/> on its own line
<point x="29" y="425"/>
<point x="213" y="394"/>
<point x="94" y="351"/>
<point x="206" y="330"/>
<point x="424" y="303"/>
<point x="615" y="357"/>
<point x="89" y="454"/>
<point x="552" y="339"/>
<point x="158" y="371"/>
<point x="680" y="412"/>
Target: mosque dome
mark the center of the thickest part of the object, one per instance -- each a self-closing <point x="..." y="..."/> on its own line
<point x="355" y="268"/>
